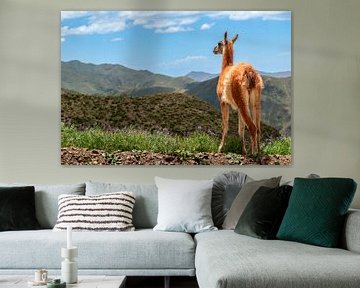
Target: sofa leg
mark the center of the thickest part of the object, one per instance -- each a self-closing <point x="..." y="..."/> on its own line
<point x="167" y="282"/>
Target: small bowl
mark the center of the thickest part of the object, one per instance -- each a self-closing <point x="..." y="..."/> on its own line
<point x="56" y="283"/>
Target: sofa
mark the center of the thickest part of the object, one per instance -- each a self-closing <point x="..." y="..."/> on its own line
<point x="218" y="258"/>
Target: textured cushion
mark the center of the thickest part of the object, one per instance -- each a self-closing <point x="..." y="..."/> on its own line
<point x="106" y="212"/>
<point x="17" y="208"/>
<point x="146" y="205"/>
<point x="46" y="200"/>
<point x="226" y="187"/>
<point x="243" y="198"/>
<point x="137" y="250"/>
<point x="225" y="259"/>
<point x="184" y="205"/>
<point x="263" y="215"/>
<point x="317" y="210"/>
<point x="351" y="236"/>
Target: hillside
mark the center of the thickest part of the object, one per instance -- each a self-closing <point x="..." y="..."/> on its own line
<point x="109" y="79"/>
<point x="174" y="114"/>
<point x="276" y="100"/>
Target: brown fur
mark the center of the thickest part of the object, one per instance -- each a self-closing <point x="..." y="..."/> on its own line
<point x="240" y="87"/>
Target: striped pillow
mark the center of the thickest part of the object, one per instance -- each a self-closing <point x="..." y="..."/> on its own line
<point x="105" y="212"/>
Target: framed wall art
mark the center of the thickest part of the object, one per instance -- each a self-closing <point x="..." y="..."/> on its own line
<point x="176" y="88"/>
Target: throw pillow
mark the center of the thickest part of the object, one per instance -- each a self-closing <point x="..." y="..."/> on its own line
<point x="226" y="187"/>
<point x="46" y="200"/>
<point x="146" y="205"/>
<point x="317" y="209"/>
<point x="263" y="215"/>
<point x="184" y="205"/>
<point x="243" y="198"/>
<point x="17" y="209"/>
<point x="106" y="212"/>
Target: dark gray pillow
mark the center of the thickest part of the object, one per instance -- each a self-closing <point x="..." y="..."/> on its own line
<point x="263" y="215"/>
<point x="225" y="189"/>
<point x="243" y="198"/>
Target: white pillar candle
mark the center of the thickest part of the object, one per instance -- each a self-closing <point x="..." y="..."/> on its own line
<point x="69" y="237"/>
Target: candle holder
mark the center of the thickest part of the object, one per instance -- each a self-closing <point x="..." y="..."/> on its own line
<point x="69" y="271"/>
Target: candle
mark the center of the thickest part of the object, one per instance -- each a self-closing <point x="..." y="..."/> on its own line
<point x="69" y="237"/>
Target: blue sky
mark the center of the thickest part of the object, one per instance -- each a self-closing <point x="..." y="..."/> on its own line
<point x="175" y="43"/>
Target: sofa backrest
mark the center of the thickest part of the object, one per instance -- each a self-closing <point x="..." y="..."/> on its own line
<point x="46" y="200"/>
<point x="146" y="203"/>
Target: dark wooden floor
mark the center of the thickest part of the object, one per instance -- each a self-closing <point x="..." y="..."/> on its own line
<point x="158" y="282"/>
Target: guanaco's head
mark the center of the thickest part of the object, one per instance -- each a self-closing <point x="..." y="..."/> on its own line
<point x="222" y="45"/>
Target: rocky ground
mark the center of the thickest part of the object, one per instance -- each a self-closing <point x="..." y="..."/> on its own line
<point x="82" y="156"/>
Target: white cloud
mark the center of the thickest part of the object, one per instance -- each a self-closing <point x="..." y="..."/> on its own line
<point x="62" y="39"/>
<point x="102" y="22"/>
<point x="74" y="14"/>
<point x="97" y="24"/>
<point x="173" y="29"/>
<point x="165" y="22"/>
<point x="189" y="59"/>
<point x="206" y="26"/>
<point x="247" y="15"/>
<point x="185" y="60"/>
<point x="117" y="39"/>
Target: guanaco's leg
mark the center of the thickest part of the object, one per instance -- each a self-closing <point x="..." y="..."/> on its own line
<point x="225" y="120"/>
<point x="258" y="113"/>
<point x="241" y="98"/>
<point x="242" y="132"/>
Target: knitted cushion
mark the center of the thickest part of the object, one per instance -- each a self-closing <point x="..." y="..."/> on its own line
<point x="316" y="211"/>
<point x="105" y="212"/>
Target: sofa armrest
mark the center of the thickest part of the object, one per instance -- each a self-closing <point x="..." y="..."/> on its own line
<point x="351" y="234"/>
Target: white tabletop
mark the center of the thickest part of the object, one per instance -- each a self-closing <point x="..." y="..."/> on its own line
<point x="84" y="281"/>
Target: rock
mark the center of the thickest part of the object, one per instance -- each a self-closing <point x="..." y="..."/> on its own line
<point x="82" y="156"/>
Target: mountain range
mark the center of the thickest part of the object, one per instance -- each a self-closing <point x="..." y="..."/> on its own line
<point x="199" y="76"/>
<point x="109" y="79"/>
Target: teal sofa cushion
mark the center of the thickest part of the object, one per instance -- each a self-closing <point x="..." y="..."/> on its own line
<point x="316" y="211"/>
<point x="141" y="252"/>
<point x="224" y="259"/>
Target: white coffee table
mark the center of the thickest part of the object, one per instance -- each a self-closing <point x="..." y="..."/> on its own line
<point x="84" y="281"/>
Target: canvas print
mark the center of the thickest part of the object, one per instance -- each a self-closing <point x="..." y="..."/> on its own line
<point x="176" y="88"/>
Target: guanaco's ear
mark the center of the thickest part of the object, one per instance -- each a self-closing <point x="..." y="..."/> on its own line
<point x="225" y="37"/>
<point x="235" y="38"/>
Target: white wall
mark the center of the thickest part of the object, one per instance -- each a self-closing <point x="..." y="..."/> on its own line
<point x="326" y="85"/>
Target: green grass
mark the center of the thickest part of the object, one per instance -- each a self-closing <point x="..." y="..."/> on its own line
<point x="281" y="147"/>
<point x="130" y="140"/>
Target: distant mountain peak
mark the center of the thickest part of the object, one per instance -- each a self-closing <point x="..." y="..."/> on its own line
<point x="200" y="76"/>
<point x="110" y="79"/>
<point x="280" y="74"/>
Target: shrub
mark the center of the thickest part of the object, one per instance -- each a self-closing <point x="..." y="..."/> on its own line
<point x="280" y="147"/>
